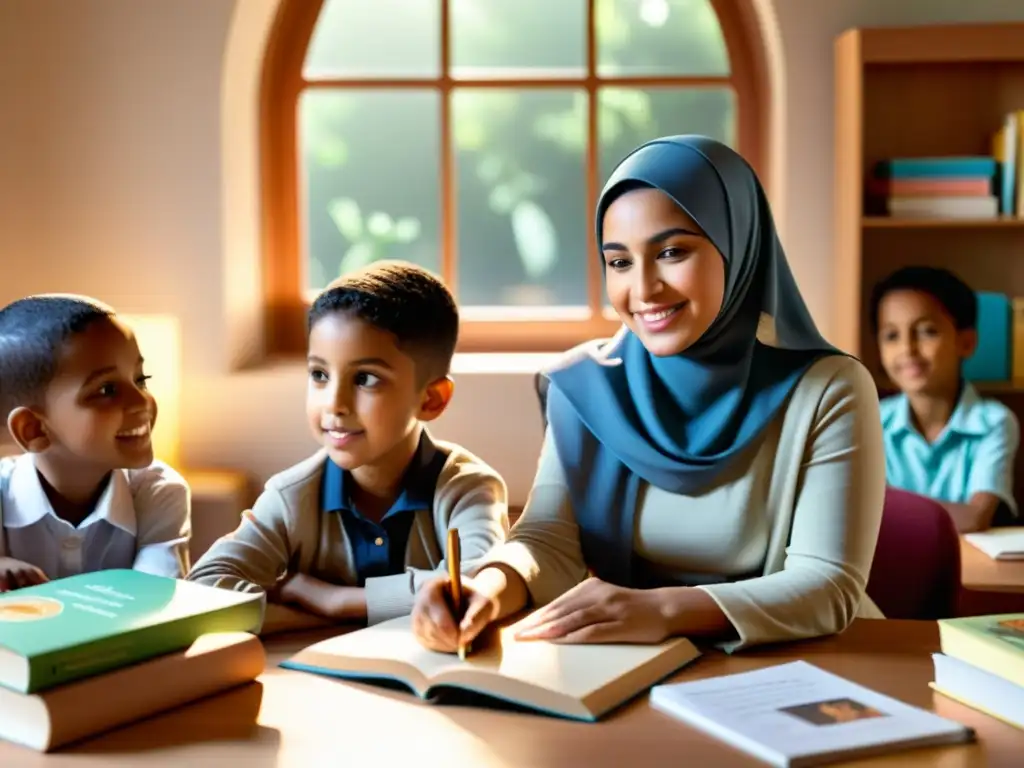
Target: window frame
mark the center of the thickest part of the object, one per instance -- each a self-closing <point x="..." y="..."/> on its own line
<point x="284" y="302"/>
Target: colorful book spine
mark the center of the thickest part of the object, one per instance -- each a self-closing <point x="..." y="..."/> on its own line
<point x="1004" y="152"/>
<point x="1018" y="339"/>
<point x="935" y="187"/>
<point x="991" y="358"/>
<point x="981" y="166"/>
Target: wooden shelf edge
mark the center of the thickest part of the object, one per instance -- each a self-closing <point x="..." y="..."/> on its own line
<point x="895" y="222"/>
<point x="996" y="387"/>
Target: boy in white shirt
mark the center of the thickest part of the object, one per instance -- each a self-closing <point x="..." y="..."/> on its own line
<point x="86" y="494"/>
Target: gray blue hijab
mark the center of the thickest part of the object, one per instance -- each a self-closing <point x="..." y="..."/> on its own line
<point x="620" y="415"/>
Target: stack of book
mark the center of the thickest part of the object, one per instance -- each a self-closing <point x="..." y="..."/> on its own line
<point x="982" y="664"/>
<point x="936" y="187"/>
<point x="88" y="653"/>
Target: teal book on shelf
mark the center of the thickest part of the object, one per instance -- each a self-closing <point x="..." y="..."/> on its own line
<point x="991" y="361"/>
<point x="936" y="167"/>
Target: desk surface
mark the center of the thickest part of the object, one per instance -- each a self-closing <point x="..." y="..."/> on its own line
<point x="981" y="573"/>
<point x="306" y="720"/>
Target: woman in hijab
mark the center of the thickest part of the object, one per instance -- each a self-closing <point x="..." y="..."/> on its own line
<point x="716" y="469"/>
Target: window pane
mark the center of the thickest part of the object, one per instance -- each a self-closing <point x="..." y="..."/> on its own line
<point x="370" y="179"/>
<point x="375" y="38"/>
<point x="524" y="38"/>
<point x="627" y="117"/>
<point x="522" y="228"/>
<point x="659" y="37"/>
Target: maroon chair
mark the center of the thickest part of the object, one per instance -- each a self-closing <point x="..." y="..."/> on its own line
<point x="916" y="570"/>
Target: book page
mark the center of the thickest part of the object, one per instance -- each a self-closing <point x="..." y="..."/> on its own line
<point x="575" y="671"/>
<point x="796" y="709"/>
<point x="387" y="649"/>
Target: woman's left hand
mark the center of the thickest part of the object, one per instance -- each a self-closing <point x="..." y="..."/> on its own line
<point x="598" y="612"/>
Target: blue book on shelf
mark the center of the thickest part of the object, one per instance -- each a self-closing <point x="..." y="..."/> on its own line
<point x="991" y="360"/>
<point x="936" y="167"/>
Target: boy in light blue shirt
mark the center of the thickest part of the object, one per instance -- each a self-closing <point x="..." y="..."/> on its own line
<point x="942" y="440"/>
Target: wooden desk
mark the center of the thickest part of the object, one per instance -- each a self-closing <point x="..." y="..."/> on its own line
<point x="980" y="573"/>
<point x="306" y="720"/>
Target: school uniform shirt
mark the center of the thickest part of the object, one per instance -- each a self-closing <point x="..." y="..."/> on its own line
<point x="304" y="522"/>
<point x="378" y="548"/>
<point x="141" y="521"/>
<point x="782" y="541"/>
<point x="973" y="454"/>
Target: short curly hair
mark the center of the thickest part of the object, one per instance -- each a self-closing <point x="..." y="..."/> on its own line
<point x="405" y="300"/>
<point x="956" y="297"/>
<point x="33" y="331"/>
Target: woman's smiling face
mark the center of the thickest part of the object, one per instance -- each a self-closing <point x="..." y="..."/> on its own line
<point x="663" y="275"/>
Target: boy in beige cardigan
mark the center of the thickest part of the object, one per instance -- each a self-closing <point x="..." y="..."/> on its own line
<point x="353" y="531"/>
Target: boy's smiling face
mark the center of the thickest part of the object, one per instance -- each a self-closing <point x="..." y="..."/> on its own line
<point x="98" y="412"/>
<point x="919" y="344"/>
<point x="364" y="397"/>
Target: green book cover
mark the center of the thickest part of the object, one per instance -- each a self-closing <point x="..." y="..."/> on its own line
<point x="1005" y="629"/>
<point x="67" y="629"/>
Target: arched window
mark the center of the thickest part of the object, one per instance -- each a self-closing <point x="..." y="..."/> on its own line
<point x="472" y="137"/>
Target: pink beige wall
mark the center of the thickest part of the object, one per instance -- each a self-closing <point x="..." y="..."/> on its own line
<point x="113" y="183"/>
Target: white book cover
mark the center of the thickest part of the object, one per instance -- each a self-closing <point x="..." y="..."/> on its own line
<point x="999" y="543"/>
<point x="979" y="689"/>
<point x="944" y="206"/>
<point x="795" y="714"/>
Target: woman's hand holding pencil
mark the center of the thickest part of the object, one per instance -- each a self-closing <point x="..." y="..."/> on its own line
<point x="451" y="611"/>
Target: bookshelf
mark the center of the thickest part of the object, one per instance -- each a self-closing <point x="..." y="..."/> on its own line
<point x="918" y="92"/>
<point x="939" y="90"/>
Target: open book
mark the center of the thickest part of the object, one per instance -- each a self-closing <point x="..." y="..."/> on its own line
<point x="999" y="543"/>
<point x="581" y="682"/>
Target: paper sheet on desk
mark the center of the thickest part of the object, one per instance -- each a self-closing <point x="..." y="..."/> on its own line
<point x="796" y="710"/>
<point x="999" y="543"/>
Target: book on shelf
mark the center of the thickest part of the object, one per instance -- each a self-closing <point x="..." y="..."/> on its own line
<point x="943" y="206"/>
<point x="66" y="714"/>
<point x="942" y="167"/>
<point x="982" y="664"/>
<point x="581" y="682"/>
<point x="999" y="543"/>
<point x="935" y="187"/>
<point x="1008" y="152"/>
<point x="991" y="360"/>
<point x="795" y="714"/>
<point x="1017" y="336"/>
<point x="84" y="625"/>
